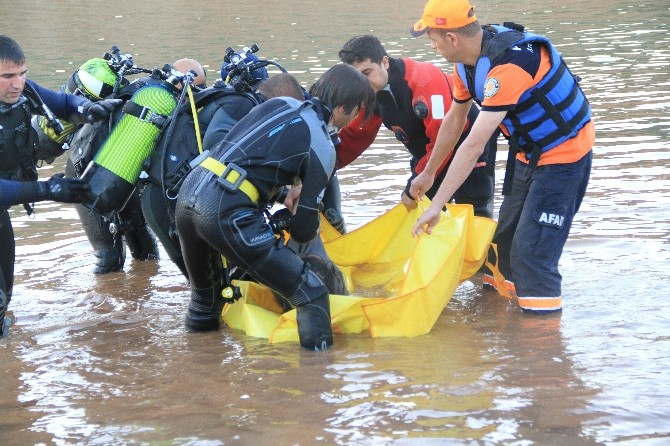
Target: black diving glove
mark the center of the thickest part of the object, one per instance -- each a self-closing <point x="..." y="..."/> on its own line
<point x="99" y="110"/>
<point x="65" y="190"/>
<point x="281" y="221"/>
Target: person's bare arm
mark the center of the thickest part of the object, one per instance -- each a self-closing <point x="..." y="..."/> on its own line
<point x="460" y="168"/>
<point x="449" y="134"/>
<point x="293" y="197"/>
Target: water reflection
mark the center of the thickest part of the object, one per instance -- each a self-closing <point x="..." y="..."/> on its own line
<point x="488" y="379"/>
<point x="384" y="396"/>
<point x="105" y="360"/>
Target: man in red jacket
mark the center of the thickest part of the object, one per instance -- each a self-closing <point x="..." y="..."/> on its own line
<point x="412" y="98"/>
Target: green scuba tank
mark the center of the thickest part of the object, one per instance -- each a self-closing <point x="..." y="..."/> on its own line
<point x="116" y="167"/>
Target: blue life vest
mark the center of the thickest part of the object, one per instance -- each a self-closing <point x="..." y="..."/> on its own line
<point x="549" y="113"/>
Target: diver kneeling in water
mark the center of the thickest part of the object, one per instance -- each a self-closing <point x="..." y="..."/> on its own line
<point x="222" y="201"/>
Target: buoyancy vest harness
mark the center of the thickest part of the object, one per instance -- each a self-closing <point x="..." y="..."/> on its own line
<point x="18" y="144"/>
<point x="177" y="147"/>
<point x="549" y="113"/>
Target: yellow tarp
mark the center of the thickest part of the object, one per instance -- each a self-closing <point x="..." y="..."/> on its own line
<point x="399" y="285"/>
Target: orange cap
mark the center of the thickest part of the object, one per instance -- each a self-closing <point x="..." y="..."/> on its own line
<point x="446" y="14"/>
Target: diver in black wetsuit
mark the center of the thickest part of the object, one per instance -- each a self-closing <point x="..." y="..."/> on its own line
<point x="97" y="79"/>
<point x="222" y="201"/>
<point x="20" y="99"/>
<point x="219" y="108"/>
<point x="109" y="236"/>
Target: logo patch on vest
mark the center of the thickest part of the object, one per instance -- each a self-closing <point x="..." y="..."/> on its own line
<point x="550" y="219"/>
<point x="491" y="87"/>
<point x="260" y="238"/>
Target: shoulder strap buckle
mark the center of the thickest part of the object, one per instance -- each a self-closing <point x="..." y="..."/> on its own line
<point x="144" y="114"/>
<point x="237" y="174"/>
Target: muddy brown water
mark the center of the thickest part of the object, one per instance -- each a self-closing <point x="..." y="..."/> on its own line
<point x="104" y="360"/>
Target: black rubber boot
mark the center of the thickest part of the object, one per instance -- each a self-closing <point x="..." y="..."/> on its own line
<point x="108" y="247"/>
<point x="204" y="310"/>
<point x="4" y="324"/>
<point x="314" y="328"/>
<point x="314" y="254"/>
<point x="142" y="243"/>
<point x="139" y="238"/>
<point x="105" y="239"/>
<point x="329" y="273"/>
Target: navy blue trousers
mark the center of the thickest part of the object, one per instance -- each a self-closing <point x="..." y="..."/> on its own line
<point x="534" y="223"/>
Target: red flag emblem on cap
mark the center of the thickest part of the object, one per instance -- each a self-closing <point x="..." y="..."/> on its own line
<point x="440" y="21"/>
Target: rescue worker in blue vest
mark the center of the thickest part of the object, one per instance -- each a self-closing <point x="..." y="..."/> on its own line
<point x="221" y="203"/>
<point x="524" y="88"/>
<point x="20" y="99"/>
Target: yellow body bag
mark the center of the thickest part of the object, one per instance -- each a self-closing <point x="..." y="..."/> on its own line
<point x="398" y="284"/>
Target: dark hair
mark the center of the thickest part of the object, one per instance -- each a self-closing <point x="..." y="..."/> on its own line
<point x="361" y="48"/>
<point x="11" y="51"/>
<point x="282" y="84"/>
<point x="343" y="85"/>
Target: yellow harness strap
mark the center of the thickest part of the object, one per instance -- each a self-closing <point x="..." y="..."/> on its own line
<point x="231" y="175"/>
<point x="504" y="287"/>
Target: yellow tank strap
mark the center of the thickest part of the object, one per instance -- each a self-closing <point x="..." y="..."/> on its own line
<point x="217" y="167"/>
<point x="196" y="124"/>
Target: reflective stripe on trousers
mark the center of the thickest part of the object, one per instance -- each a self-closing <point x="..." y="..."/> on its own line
<point x="540" y="304"/>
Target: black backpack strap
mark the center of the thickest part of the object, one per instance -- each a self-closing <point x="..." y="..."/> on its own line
<point x="144" y="114"/>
